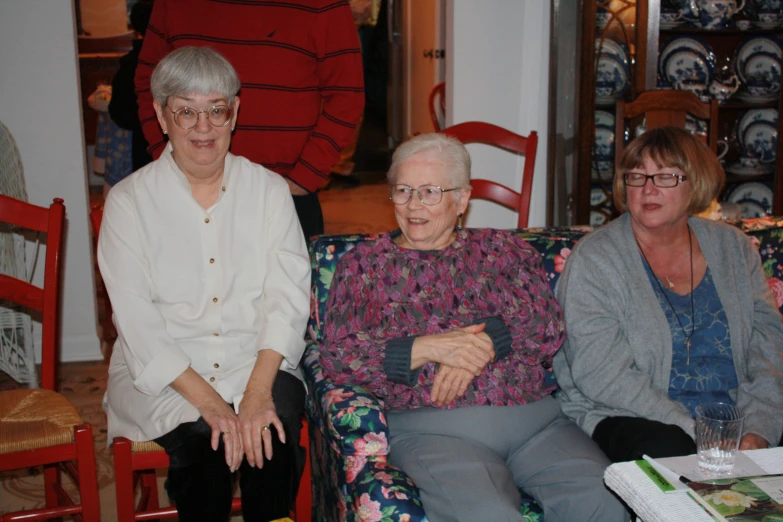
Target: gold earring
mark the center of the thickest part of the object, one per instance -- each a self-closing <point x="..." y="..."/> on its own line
<point x="459" y="222"/>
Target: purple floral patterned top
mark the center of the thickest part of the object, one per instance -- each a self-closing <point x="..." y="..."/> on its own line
<point x="383" y="296"/>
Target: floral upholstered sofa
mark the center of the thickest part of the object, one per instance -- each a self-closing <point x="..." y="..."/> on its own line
<point x="349" y="439"/>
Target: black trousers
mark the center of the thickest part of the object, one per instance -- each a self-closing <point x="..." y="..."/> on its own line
<point x="308" y="209"/>
<point x="628" y="438"/>
<point x="201" y="484"/>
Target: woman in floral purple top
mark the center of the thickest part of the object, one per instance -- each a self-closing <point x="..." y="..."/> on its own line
<point x="454" y="330"/>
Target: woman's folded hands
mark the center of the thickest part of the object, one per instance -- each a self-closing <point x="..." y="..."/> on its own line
<point x="248" y="434"/>
<point x="462" y="354"/>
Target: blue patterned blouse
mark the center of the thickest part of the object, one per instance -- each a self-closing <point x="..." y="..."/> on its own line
<point x="711" y="374"/>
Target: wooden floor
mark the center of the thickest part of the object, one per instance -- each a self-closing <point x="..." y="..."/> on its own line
<point x="362" y="209"/>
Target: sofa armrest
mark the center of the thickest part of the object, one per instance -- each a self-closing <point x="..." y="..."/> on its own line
<point x="383" y="492"/>
<point x="351" y="418"/>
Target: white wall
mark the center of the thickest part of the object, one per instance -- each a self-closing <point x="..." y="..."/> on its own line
<point x="40" y="105"/>
<point x="497" y="63"/>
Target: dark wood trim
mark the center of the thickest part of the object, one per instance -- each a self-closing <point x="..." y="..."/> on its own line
<point x="585" y="114"/>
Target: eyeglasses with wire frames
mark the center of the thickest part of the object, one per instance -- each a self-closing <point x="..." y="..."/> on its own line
<point x="187" y="117"/>
<point x="660" y="180"/>
<point x="428" y="194"/>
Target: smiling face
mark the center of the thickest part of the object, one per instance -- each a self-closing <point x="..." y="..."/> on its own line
<point x="656" y="208"/>
<point x="428" y="227"/>
<point x="201" y="151"/>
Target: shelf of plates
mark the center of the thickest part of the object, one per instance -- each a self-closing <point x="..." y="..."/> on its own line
<point x="718" y="51"/>
<point x="709" y="47"/>
<point x="612" y="68"/>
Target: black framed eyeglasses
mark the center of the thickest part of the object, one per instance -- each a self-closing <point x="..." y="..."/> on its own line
<point x="428" y="194"/>
<point x="187" y="117"/>
<point x="662" y="180"/>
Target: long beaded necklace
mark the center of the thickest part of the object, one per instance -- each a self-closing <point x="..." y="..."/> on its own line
<point x="676" y="315"/>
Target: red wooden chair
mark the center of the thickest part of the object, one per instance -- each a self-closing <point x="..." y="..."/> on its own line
<point x="39" y="427"/>
<point x="108" y="331"/>
<point x="438" y="93"/>
<point x="480" y="132"/>
<point x="135" y="462"/>
<point x="662" y="108"/>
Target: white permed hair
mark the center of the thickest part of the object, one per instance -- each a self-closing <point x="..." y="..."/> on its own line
<point x="194" y="70"/>
<point x="447" y="149"/>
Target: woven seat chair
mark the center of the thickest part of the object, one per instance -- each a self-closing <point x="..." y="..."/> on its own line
<point x="39" y="427"/>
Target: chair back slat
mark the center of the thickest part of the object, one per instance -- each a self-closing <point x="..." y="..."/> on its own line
<point x="489" y="134"/>
<point x="45" y="300"/>
<point x="438" y="93"/>
<point x="665" y="108"/>
<point x="486" y="189"/>
<point x="21" y="292"/>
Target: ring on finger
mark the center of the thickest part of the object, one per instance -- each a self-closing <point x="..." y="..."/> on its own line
<point x="265" y="428"/>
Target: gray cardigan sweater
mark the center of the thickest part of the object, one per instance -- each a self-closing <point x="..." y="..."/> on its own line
<point x="617" y="358"/>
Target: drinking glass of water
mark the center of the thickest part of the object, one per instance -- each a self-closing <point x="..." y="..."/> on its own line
<point x="718" y="433"/>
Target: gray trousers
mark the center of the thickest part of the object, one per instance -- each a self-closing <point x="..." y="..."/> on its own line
<point x="469" y="462"/>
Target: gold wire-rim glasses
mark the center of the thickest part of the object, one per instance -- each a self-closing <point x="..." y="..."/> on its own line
<point x="178" y="114"/>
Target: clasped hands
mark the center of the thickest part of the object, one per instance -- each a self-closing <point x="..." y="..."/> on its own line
<point x="462" y="354"/>
<point x="248" y="434"/>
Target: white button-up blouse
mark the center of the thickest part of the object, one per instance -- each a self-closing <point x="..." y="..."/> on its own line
<point x="201" y="288"/>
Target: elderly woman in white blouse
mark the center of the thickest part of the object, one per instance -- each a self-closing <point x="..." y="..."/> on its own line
<point x="207" y="270"/>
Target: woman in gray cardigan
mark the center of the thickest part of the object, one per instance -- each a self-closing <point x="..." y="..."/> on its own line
<point x="665" y="311"/>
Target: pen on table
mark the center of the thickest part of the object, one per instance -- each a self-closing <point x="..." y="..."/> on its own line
<point x="685" y="479"/>
<point x="666" y="471"/>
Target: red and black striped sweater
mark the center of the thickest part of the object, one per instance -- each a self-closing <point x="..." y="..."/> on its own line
<point x="300" y="66"/>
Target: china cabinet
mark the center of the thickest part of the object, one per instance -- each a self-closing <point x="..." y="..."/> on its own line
<point x="727" y="50"/>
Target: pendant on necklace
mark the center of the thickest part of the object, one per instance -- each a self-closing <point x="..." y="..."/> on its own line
<point x="687" y="351"/>
<point x="669" y="282"/>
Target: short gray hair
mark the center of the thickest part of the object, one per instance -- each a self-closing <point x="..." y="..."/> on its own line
<point x="450" y="150"/>
<point x="194" y="70"/>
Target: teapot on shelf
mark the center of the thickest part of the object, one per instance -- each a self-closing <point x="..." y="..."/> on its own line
<point x="714" y="14"/>
<point x="723" y="90"/>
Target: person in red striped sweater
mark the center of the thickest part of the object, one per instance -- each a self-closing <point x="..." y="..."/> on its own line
<point x="302" y="92"/>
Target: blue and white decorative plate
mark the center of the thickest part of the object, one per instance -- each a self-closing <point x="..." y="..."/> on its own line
<point x="769" y="116"/>
<point x="604" y="119"/>
<point x="758" y="63"/>
<point x="747" y="97"/>
<point x="612" y="46"/>
<point x="760" y="140"/>
<point x="613" y="71"/>
<point x="604" y="151"/>
<point x="684" y="43"/>
<point x="597" y="196"/>
<point x="738" y="169"/>
<point x="750" y="209"/>
<point x="755" y="192"/>
<point x="687" y="67"/>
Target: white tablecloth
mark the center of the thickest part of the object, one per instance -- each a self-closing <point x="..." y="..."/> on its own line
<point x="653" y="505"/>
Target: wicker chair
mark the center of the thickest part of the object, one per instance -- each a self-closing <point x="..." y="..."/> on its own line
<point x="17" y="355"/>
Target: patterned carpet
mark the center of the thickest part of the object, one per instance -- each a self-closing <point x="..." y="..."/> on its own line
<point x="364" y="208"/>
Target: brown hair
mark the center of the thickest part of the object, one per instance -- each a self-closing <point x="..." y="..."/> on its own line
<point x="678" y="148"/>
